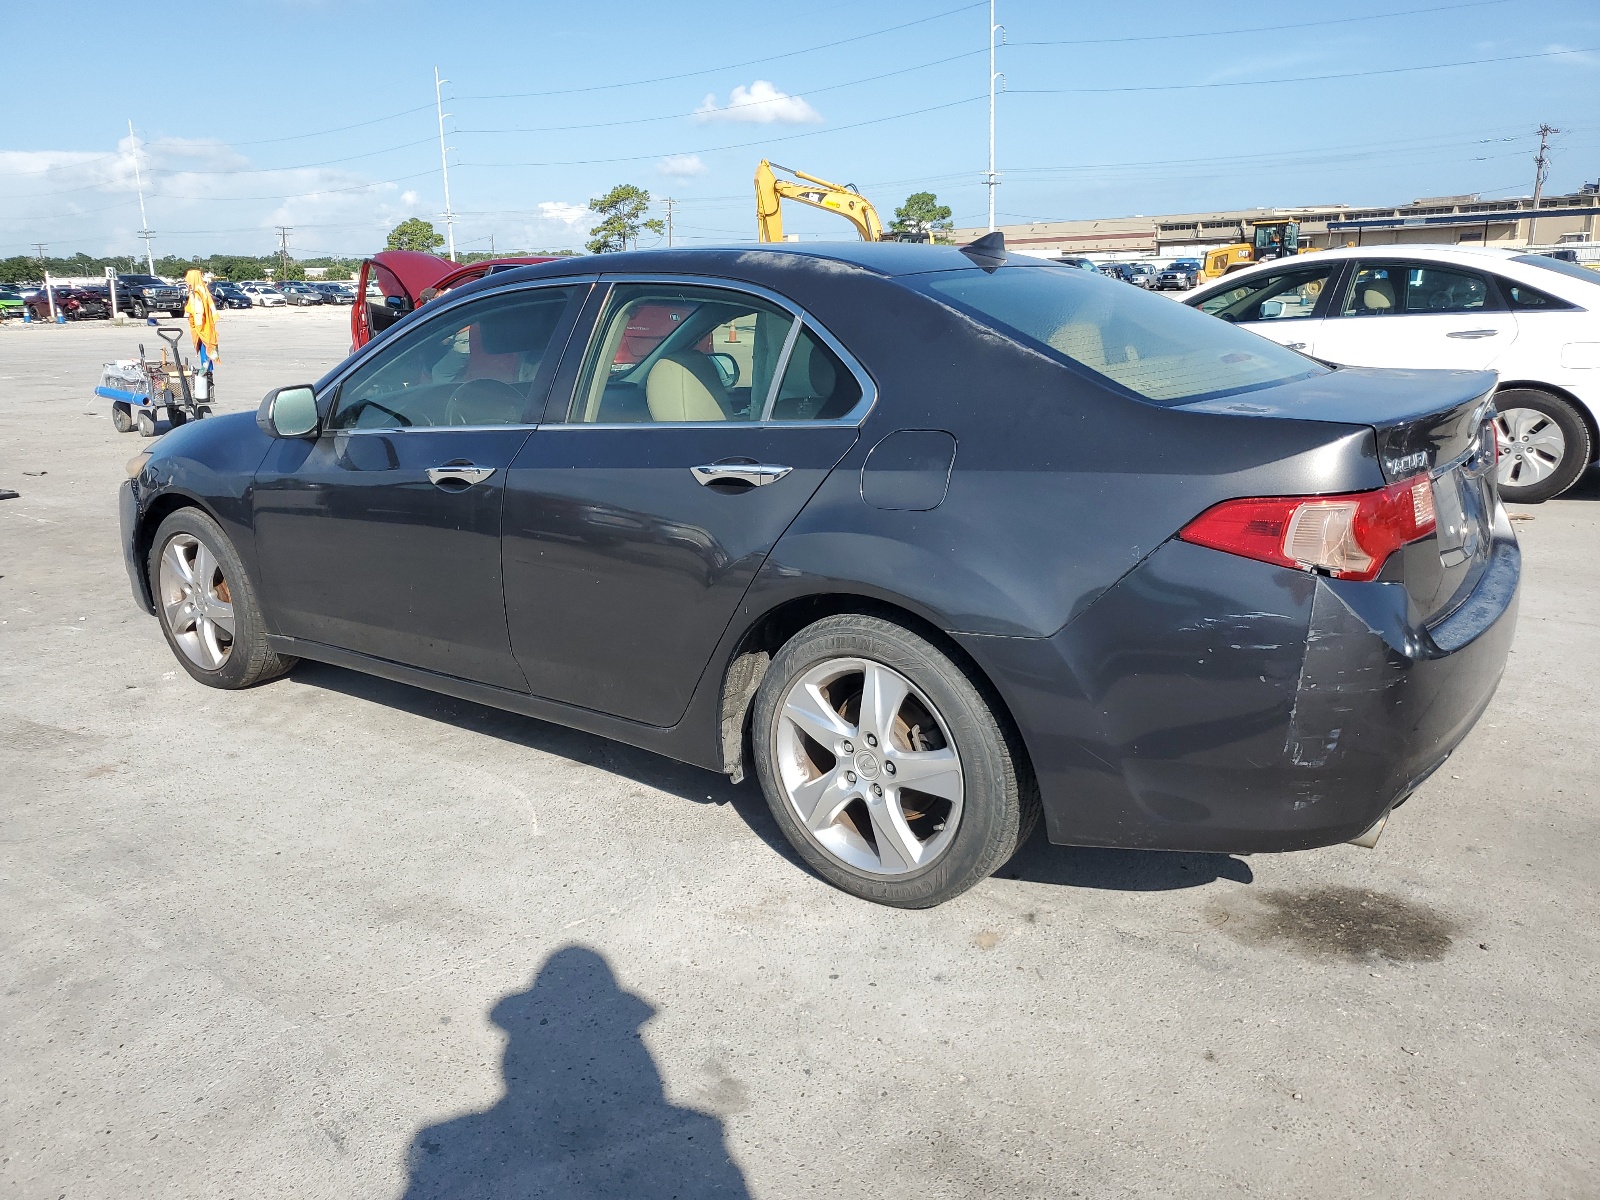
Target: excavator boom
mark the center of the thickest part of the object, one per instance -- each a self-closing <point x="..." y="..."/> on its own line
<point x="818" y="193"/>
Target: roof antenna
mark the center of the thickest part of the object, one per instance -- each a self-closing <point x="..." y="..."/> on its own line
<point x="987" y="251"/>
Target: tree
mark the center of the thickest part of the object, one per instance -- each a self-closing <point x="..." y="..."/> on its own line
<point x="415" y="234"/>
<point x="621" y="212"/>
<point x="922" y="213"/>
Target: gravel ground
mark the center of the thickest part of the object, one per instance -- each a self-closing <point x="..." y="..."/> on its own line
<point x="336" y="937"/>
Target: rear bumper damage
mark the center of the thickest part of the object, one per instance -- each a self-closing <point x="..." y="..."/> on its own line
<point x="1211" y="703"/>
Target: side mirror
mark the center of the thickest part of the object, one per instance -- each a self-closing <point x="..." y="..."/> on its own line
<point x="1271" y="308"/>
<point x="289" y="412"/>
<point x="727" y="368"/>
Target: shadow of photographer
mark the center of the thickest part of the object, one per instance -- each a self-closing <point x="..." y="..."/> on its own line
<point x="584" y="1113"/>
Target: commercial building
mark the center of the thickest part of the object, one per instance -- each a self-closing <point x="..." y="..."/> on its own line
<point x="1451" y="220"/>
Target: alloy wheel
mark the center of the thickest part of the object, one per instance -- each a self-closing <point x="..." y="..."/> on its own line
<point x="1531" y="447"/>
<point x="197" y="602"/>
<point x="868" y="766"/>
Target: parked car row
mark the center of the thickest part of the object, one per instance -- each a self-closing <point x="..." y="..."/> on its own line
<point x="140" y="296"/>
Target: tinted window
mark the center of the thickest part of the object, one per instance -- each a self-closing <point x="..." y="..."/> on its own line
<point x="1277" y="296"/>
<point x="669" y="354"/>
<point x="816" y="384"/>
<point x="1154" y="348"/>
<point x="1387" y="289"/>
<point x="477" y="364"/>
<point x="1569" y="269"/>
<point x="1521" y="296"/>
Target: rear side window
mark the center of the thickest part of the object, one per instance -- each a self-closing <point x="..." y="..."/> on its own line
<point x="1521" y="296"/>
<point x="1160" y="351"/>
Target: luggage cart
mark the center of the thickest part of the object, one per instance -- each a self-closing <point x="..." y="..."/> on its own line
<point x="142" y="390"/>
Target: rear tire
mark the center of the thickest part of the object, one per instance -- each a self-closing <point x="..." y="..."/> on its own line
<point x="200" y="589"/>
<point x="1544" y="445"/>
<point x="146" y="422"/>
<point x="833" y="785"/>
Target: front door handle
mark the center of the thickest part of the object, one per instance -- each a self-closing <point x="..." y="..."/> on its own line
<point x="454" y="476"/>
<point x="1473" y="333"/>
<point x="753" y="473"/>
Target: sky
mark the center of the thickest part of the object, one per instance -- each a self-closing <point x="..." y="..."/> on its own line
<point x="320" y="115"/>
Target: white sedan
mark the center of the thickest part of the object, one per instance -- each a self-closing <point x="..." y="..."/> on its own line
<point x="1535" y="320"/>
<point x="263" y="297"/>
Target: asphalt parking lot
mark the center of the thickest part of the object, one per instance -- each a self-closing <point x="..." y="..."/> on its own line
<point x="336" y="937"/>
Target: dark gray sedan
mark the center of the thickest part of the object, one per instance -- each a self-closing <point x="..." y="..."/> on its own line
<point x="930" y="540"/>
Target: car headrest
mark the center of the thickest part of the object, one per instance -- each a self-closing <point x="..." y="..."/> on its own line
<point x="1377" y="296"/>
<point x="518" y="329"/>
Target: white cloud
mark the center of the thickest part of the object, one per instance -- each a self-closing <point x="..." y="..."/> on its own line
<point x="566" y="214"/>
<point x="682" y="166"/>
<point x="759" y="104"/>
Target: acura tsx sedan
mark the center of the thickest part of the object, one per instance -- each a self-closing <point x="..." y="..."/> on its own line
<point x="931" y="540"/>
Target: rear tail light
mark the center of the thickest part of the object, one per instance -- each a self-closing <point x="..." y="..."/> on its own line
<point x="1348" y="537"/>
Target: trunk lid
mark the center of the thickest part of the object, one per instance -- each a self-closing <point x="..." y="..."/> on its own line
<point x="1434" y="422"/>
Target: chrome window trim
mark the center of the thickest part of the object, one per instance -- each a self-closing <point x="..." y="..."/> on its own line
<point x="853" y="418"/>
<point x="359" y="359"/>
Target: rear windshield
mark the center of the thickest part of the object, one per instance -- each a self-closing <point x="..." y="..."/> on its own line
<point x="1560" y="266"/>
<point x="1156" y="348"/>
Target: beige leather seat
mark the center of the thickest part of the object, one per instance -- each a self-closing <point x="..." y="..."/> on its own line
<point x="685" y="387"/>
<point x="1082" y="343"/>
<point x="1377" y="296"/>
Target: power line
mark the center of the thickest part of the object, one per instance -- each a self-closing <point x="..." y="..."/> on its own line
<point x="751" y="62"/>
<point x="588" y="162"/>
<point x="1185" y="87"/>
<point x="799" y="93"/>
<point x="1170" y="37"/>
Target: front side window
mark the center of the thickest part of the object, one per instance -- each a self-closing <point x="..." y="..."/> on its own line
<point x="669" y="354"/>
<point x="1278" y="296"/>
<point x="476" y="364"/>
<point x="1160" y="351"/>
<point x="1388" y="289"/>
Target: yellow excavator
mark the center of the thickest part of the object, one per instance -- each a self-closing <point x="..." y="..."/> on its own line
<point x="819" y="193"/>
<point x="1276" y="238"/>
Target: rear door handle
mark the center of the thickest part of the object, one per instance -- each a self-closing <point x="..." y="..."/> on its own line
<point x="458" y="475"/>
<point x="1473" y="333"/>
<point x="754" y="473"/>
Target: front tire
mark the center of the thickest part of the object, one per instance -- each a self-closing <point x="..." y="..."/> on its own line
<point x="121" y="417"/>
<point x="885" y="766"/>
<point x="1544" y="445"/>
<point x="207" y="608"/>
<point x="139" y="311"/>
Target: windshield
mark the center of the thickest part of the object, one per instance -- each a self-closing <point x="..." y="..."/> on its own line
<point x="1574" y="270"/>
<point x="1160" y="351"/>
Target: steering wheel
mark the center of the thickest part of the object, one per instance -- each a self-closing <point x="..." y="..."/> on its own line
<point x="365" y="404"/>
<point x="484" y="402"/>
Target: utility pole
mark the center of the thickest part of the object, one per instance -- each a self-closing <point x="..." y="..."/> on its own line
<point x="1541" y="168"/>
<point x="138" y="182"/>
<point x="41" y="247"/>
<point x="991" y="180"/>
<point x="670" y="202"/>
<point x="444" y="161"/>
<point x="283" y="247"/>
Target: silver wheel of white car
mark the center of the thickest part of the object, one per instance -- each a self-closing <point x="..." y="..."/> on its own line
<point x="1543" y="443"/>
